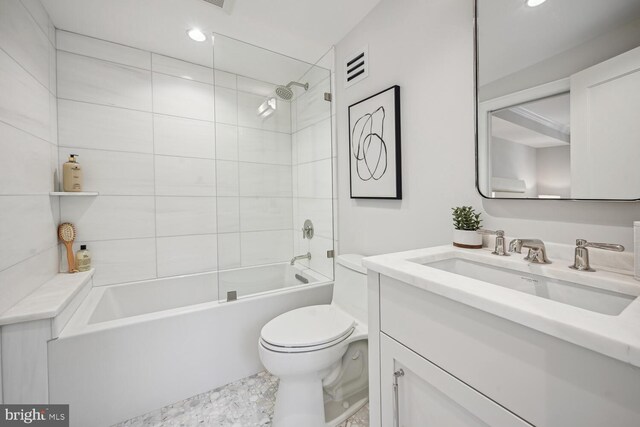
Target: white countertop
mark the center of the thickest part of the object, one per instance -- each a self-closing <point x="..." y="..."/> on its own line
<point x="48" y="300"/>
<point x="615" y="336"/>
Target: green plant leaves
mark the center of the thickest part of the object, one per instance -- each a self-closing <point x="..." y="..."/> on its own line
<point x="466" y="218"/>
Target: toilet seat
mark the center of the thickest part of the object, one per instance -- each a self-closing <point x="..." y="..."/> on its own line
<point x="307" y="329"/>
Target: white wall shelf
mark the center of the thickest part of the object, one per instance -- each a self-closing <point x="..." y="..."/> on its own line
<point x="74" y="193"/>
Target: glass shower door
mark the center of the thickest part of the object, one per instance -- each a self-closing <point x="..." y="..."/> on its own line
<point x="273" y="169"/>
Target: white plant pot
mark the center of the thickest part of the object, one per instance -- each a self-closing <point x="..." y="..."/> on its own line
<point x="467" y="239"/>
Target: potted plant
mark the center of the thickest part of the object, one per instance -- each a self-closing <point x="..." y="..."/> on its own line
<point x="466" y="223"/>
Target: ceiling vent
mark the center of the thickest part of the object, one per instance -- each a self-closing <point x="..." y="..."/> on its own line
<point x="225" y="5"/>
<point x="356" y="66"/>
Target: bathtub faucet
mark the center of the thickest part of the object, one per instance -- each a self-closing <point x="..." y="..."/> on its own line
<point x="296" y="258"/>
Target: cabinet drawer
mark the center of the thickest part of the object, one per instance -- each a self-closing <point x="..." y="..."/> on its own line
<point x="546" y="381"/>
<point x="428" y="396"/>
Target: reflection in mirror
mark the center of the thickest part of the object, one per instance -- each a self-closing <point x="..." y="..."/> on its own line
<point x="558" y="96"/>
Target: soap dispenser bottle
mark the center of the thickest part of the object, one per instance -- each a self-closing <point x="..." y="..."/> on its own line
<point x="83" y="259"/>
<point x="72" y="175"/>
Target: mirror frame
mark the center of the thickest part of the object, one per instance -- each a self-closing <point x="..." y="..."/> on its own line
<point x="476" y="108"/>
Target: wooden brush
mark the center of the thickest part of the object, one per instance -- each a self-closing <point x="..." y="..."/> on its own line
<point x="67" y="234"/>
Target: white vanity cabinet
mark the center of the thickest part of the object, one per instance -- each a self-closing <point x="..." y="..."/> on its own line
<point x="429" y="396"/>
<point x="464" y="366"/>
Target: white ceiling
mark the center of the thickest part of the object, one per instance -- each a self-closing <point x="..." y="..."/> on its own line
<point x="303" y="29"/>
<point x="513" y="36"/>
<point x="555" y="109"/>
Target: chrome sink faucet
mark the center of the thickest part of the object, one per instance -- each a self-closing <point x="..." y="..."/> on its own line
<point x="499" y="248"/>
<point x="581" y="259"/>
<point x="299" y="257"/>
<point x="537" y="251"/>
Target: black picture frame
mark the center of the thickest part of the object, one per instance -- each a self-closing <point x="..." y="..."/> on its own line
<point x="393" y="166"/>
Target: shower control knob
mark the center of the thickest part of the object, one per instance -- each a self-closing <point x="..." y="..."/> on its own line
<point x="307" y="229"/>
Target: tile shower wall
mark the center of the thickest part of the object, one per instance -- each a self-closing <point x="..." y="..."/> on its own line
<point x="312" y="171"/>
<point x="190" y="180"/>
<point x="28" y="150"/>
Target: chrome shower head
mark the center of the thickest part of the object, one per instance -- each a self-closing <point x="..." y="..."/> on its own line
<point x="285" y="92"/>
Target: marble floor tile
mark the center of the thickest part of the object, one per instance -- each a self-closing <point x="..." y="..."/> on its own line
<point x="248" y="402"/>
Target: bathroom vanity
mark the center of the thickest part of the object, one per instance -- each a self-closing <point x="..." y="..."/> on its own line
<point x="463" y="338"/>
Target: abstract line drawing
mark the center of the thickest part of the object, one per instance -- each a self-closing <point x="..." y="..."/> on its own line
<point x="368" y="146"/>
<point x="375" y="170"/>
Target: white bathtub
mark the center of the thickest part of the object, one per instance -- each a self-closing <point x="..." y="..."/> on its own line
<point x="133" y="348"/>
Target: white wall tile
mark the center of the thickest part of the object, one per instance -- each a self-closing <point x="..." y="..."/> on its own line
<point x="226" y="105"/>
<point x="95" y="126"/>
<point x="113" y="172"/>
<point x="24" y="102"/>
<point x="228" y="214"/>
<point x="318" y="246"/>
<point x="120" y="261"/>
<point x="264" y="213"/>
<point x="224" y="79"/>
<point x="314" y="142"/>
<point x="228" y="250"/>
<point x="100" y="49"/>
<point x="40" y="15"/>
<point x="93" y="80"/>
<point x="264" y="247"/>
<point x="226" y="142"/>
<point x="263" y="146"/>
<point x="53" y="72"/>
<point x="248" y="114"/>
<point x="256" y="87"/>
<point x="320" y="212"/>
<point x="181" y="97"/>
<point x="227" y="178"/>
<point x="53" y="119"/>
<point x="25" y="163"/>
<point x="27" y="228"/>
<point x="177" y="136"/>
<point x="314" y="179"/>
<point x="311" y="106"/>
<point x="186" y="70"/>
<point x="261" y="180"/>
<point x="21" y="279"/>
<point x="110" y="217"/>
<point x="187" y="254"/>
<point x="21" y="37"/>
<point x="317" y="74"/>
<point x="176" y="216"/>
<point x="181" y="176"/>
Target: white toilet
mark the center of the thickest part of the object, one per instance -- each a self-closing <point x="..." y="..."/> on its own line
<point x="319" y="353"/>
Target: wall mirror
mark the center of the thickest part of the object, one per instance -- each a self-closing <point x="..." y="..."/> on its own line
<point x="558" y="93"/>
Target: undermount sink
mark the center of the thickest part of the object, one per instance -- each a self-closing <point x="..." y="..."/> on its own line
<point x="577" y="295"/>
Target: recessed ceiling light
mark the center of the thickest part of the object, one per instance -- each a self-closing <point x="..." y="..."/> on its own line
<point x="196" y="34"/>
<point x="534" y="3"/>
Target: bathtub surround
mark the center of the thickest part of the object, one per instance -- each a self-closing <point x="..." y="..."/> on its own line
<point x="176" y="329"/>
<point x="28" y="147"/>
<point x="26" y="329"/>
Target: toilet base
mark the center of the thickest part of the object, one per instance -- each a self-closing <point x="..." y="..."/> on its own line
<point x="335" y="413"/>
<point x="299" y="402"/>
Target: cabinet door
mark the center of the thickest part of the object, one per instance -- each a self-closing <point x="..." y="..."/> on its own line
<point x="431" y="397"/>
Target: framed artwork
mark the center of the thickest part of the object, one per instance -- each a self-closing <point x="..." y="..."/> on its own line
<point x="374" y="146"/>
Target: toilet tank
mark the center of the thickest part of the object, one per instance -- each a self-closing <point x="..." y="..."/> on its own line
<point x="350" y="287"/>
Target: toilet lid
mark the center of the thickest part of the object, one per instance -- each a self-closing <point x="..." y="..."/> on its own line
<point x="307" y="326"/>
